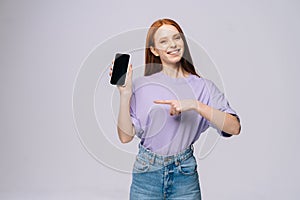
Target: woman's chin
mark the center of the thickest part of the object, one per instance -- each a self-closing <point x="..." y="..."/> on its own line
<point x="174" y="60"/>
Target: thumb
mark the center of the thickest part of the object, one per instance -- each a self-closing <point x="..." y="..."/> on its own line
<point x="130" y="70"/>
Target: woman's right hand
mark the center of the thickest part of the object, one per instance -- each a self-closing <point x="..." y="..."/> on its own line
<point x="127" y="88"/>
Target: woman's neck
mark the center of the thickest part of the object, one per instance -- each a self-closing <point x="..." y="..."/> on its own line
<point x="174" y="71"/>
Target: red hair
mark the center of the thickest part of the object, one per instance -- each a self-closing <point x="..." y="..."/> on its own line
<point x="153" y="63"/>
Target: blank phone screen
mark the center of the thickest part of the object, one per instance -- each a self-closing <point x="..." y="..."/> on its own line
<point x="120" y="69"/>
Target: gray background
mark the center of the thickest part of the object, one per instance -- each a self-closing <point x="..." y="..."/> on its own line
<point x="255" y="45"/>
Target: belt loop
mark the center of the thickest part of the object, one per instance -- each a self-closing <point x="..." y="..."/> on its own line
<point x="151" y="159"/>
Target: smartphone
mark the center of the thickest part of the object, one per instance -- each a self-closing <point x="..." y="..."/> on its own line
<point x="119" y="69"/>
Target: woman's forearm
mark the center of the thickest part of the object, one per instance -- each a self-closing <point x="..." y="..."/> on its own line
<point x="223" y="121"/>
<point x="125" y="127"/>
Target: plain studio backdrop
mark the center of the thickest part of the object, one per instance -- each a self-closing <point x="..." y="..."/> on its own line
<point x="254" y="44"/>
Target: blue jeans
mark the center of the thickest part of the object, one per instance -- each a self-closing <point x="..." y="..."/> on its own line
<point x="159" y="177"/>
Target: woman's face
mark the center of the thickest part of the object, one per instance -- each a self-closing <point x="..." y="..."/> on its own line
<point x="168" y="44"/>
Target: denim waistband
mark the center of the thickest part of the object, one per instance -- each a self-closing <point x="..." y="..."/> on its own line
<point x="165" y="159"/>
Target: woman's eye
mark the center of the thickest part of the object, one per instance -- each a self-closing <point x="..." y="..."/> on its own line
<point x="178" y="37"/>
<point x="163" y="41"/>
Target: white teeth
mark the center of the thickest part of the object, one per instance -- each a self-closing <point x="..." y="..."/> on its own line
<point x="174" y="52"/>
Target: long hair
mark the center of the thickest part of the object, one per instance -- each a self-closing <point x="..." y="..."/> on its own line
<point x="153" y="63"/>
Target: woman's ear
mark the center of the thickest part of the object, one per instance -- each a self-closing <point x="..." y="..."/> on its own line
<point x="152" y="49"/>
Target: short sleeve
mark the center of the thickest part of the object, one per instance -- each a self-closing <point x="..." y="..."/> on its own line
<point x="135" y="121"/>
<point x="218" y="101"/>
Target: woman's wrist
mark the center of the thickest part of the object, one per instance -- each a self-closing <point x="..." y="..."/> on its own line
<point x="198" y="106"/>
<point x="125" y="94"/>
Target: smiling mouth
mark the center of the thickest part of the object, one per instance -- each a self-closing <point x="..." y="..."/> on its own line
<point x="176" y="51"/>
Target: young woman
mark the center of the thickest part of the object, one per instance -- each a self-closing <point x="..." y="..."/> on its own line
<point x="168" y="109"/>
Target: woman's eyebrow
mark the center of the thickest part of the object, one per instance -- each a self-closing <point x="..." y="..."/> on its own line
<point x="163" y="38"/>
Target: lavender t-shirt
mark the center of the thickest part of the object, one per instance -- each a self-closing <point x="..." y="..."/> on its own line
<point x="158" y="130"/>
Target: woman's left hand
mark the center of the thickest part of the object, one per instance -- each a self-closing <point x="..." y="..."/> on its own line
<point x="178" y="106"/>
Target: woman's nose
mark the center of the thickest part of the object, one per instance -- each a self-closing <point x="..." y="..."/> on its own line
<point x="172" y="43"/>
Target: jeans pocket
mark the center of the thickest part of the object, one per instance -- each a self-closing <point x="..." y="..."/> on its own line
<point x="141" y="165"/>
<point x="188" y="166"/>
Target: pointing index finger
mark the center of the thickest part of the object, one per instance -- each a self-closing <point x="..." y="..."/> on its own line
<point x="162" y="101"/>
